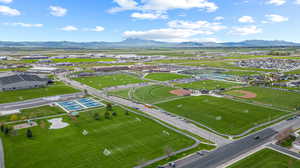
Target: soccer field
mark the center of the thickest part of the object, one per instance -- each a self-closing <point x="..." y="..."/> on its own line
<point x="208" y="85"/>
<point x="148" y="94"/>
<point x="58" y="88"/>
<point x="274" y="97"/>
<point x="221" y="114"/>
<point x="165" y="76"/>
<point x="100" y="82"/>
<point x="130" y="140"/>
<point x="267" y="158"/>
<point x="151" y="94"/>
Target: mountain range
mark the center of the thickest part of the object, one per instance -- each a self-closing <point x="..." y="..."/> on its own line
<point x="140" y="43"/>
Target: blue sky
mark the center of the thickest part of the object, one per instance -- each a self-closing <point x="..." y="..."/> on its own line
<point x="162" y="20"/>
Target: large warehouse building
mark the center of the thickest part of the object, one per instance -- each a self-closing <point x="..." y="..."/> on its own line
<point x="22" y="81"/>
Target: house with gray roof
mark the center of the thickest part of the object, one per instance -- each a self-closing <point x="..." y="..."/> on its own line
<point x="22" y="81"/>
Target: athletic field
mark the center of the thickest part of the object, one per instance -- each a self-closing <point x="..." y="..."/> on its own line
<point x="221" y="114"/>
<point x="123" y="141"/>
<point x="147" y="94"/>
<point x="275" y="97"/>
<point x="208" y="85"/>
<point x="165" y="76"/>
<point x="267" y="158"/>
<point x="100" y="82"/>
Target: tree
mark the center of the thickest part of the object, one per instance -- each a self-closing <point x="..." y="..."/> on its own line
<point x="126" y="112"/>
<point x="14" y="118"/>
<point x="6" y="131"/>
<point x="168" y="151"/>
<point x="2" y="127"/>
<point x="85" y="92"/>
<point x="107" y="115"/>
<point x="29" y="133"/>
<point x="96" y="116"/>
<point x="114" y="113"/>
<point x="109" y="107"/>
<point x="281" y="136"/>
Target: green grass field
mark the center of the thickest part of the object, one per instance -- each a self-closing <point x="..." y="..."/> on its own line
<point x="33" y="113"/>
<point x="100" y="82"/>
<point x="58" y="88"/>
<point x="131" y="139"/>
<point x="152" y="94"/>
<point x="165" y="76"/>
<point x="221" y="114"/>
<point x="267" y="158"/>
<point x="241" y="73"/>
<point x="208" y="85"/>
<point x="147" y="94"/>
<point x="79" y="60"/>
<point x="277" y="98"/>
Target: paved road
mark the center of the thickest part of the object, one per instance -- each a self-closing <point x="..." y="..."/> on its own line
<point x="174" y="121"/>
<point x="37" y="102"/>
<point x="230" y="151"/>
<point x="284" y="151"/>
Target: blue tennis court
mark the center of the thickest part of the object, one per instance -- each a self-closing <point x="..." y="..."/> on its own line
<point x="79" y="104"/>
<point x="71" y="106"/>
<point x="89" y="103"/>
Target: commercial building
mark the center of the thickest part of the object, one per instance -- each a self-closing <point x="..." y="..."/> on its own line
<point x="22" y="81"/>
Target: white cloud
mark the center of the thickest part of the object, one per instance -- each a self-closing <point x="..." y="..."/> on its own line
<point x="150" y="16"/>
<point x="167" y="34"/>
<point x="203" y="25"/>
<point x="69" y="28"/>
<point x="246" y="30"/>
<point x="6" y="1"/>
<point x="276" y="2"/>
<point x="5" y="10"/>
<point x="276" y="18"/>
<point x="179" y="31"/>
<point x="163" y="5"/>
<point x="218" y="18"/>
<point x="96" y="29"/>
<point x="24" y="24"/>
<point x="246" y="19"/>
<point x="58" y="11"/>
<point x="297" y="2"/>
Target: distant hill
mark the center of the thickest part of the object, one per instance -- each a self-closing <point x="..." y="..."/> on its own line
<point x="140" y="43"/>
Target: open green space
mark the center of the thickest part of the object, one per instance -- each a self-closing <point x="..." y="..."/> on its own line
<point x="241" y="73"/>
<point x="128" y="140"/>
<point x="165" y="76"/>
<point x="223" y="115"/>
<point x="82" y="60"/>
<point x="152" y="94"/>
<point x="267" y="158"/>
<point x="100" y="82"/>
<point x="33" y="113"/>
<point x="208" y="85"/>
<point x="147" y="94"/>
<point x="275" y="97"/>
<point x="58" y="88"/>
